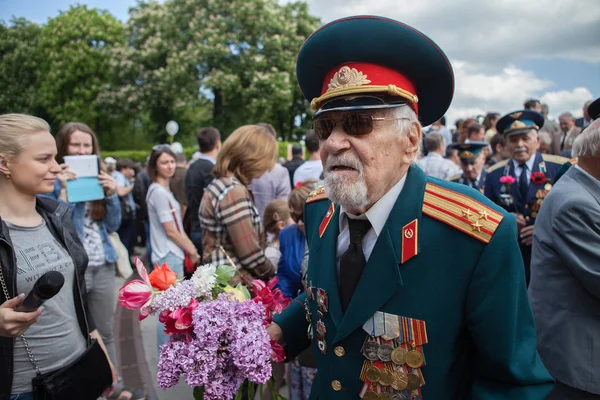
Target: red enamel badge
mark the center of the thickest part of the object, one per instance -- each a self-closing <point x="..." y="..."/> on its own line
<point x="326" y="220"/>
<point x="410" y="240"/>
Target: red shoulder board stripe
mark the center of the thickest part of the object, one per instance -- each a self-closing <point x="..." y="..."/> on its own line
<point x="461" y="212"/>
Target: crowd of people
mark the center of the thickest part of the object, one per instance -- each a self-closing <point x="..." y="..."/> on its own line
<point x="364" y="221"/>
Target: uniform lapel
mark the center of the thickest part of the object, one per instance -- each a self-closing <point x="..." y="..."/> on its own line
<point x="325" y="265"/>
<point x="381" y="277"/>
<point x="514" y="188"/>
<point x="533" y="188"/>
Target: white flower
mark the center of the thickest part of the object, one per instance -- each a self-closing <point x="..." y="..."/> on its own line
<point x="204" y="278"/>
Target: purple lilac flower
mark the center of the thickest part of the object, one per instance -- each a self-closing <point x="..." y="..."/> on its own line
<point x="174" y="297"/>
<point x="229" y="344"/>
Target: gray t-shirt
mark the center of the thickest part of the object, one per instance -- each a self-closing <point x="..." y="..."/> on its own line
<point x="55" y="339"/>
<point x="161" y="208"/>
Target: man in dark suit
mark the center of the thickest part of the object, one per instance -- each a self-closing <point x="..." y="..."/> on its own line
<point x="520" y="183"/>
<point x="295" y="162"/>
<point x="197" y="178"/>
<point x="586" y="120"/>
<point x="565" y="275"/>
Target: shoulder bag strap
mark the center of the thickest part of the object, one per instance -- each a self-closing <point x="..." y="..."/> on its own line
<point x="29" y="353"/>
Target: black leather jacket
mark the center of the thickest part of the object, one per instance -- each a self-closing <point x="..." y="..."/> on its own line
<point x="58" y="219"/>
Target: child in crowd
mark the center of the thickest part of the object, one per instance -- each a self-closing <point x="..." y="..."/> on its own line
<point x="276" y="217"/>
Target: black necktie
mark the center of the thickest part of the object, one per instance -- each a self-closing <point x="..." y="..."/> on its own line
<point x="523" y="184"/>
<point x="353" y="260"/>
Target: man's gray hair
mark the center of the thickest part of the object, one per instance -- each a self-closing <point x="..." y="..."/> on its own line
<point x="566" y="115"/>
<point x="545" y="137"/>
<point x="588" y="143"/>
<point x="433" y="141"/>
<point x="406" y="116"/>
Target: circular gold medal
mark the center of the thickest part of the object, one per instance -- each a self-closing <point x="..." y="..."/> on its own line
<point x="385" y="377"/>
<point x="547" y="186"/>
<point x="371" y="396"/>
<point x="414" y="359"/>
<point x="385" y="396"/>
<point x="413" y="382"/>
<point x="372" y="374"/>
<point x="400" y="380"/>
<point x="399" y="356"/>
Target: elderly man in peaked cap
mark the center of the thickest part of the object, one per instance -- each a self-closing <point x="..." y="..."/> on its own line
<point x="521" y="183"/>
<point x="415" y="285"/>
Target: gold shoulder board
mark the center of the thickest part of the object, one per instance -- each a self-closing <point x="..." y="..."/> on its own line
<point x="316" y="195"/>
<point x="554" y="159"/>
<point x="494" y="167"/>
<point x="461" y="212"/>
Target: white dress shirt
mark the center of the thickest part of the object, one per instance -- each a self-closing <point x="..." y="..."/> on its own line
<point x="529" y="164"/>
<point x="377" y="216"/>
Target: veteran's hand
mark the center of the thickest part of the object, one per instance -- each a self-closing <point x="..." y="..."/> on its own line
<point x="275" y="332"/>
<point x="526" y="235"/>
<point x="65" y="175"/>
<point x="521" y="222"/>
<point x="15" y="323"/>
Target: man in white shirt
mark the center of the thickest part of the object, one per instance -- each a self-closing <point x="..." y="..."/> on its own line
<point x="434" y="164"/>
<point x="313" y="168"/>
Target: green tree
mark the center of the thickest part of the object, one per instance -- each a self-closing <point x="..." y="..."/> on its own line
<point x="235" y="58"/>
<point x="75" y="64"/>
<point x="19" y="67"/>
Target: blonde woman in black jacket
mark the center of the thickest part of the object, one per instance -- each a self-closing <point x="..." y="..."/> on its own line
<point x="36" y="236"/>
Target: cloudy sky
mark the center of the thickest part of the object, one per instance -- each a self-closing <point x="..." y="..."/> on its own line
<point x="502" y="51"/>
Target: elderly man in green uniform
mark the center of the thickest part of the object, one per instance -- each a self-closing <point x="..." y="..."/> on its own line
<point x="415" y="285"/>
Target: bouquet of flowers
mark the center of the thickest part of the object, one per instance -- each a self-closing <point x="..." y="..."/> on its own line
<point x="218" y="337"/>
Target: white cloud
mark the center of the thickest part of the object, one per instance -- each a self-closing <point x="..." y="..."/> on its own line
<point x="490" y="31"/>
<point x="565" y="100"/>
<point x="486" y="39"/>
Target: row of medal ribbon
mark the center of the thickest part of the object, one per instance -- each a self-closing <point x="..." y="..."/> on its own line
<point x="391" y="370"/>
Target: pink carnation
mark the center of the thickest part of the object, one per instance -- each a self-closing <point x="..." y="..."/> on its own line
<point x="507" y="179"/>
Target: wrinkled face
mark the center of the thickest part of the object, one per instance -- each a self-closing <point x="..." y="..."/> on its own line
<point x="522" y="146"/>
<point x="34" y="169"/>
<point x="359" y="170"/>
<point x="472" y="170"/>
<point x="165" y="166"/>
<point x="565" y="123"/>
<point x="80" y="144"/>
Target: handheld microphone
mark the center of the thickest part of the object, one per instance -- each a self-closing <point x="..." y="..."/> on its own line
<point x="46" y="287"/>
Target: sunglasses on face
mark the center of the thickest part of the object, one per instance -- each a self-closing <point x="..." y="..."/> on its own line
<point x="297" y="217"/>
<point x="353" y="124"/>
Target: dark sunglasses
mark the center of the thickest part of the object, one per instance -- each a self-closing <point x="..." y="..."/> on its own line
<point x="353" y="124"/>
<point x="159" y="147"/>
<point x="297" y="217"/>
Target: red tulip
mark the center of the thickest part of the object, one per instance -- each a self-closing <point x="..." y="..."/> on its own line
<point x="162" y="278"/>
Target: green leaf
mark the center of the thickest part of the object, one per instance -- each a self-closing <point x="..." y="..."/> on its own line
<point x="225" y="273"/>
<point x="199" y="393"/>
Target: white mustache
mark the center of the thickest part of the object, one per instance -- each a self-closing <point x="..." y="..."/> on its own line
<point x="343" y="161"/>
<point x="520" y="149"/>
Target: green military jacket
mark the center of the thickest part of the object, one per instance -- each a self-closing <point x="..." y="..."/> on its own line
<point x="446" y="256"/>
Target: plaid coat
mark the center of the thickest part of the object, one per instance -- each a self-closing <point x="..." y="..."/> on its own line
<point x="230" y="222"/>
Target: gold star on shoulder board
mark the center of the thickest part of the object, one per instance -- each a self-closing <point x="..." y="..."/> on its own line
<point x="476" y="226"/>
<point x="467" y="213"/>
<point x="483" y="215"/>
